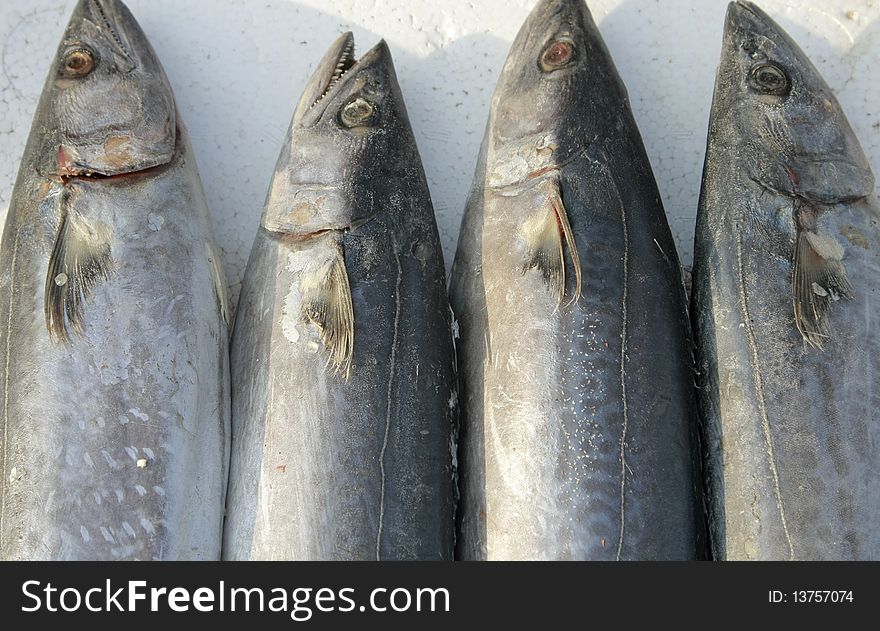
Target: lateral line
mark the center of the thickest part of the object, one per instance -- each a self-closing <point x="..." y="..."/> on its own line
<point x="759" y="390"/>
<point x="623" y="344"/>
<point x="391" y="374"/>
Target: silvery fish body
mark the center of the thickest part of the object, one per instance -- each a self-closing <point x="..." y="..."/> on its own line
<point x="113" y="343"/>
<point x="344" y="386"/>
<point x="578" y="412"/>
<point x="786" y="309"/>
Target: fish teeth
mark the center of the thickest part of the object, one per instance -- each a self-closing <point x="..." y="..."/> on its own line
<point x="346" y="61"/>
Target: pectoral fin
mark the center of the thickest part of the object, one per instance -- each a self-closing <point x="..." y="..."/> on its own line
<point x="548" y="234"/>
<point x="218" y="279"/>
<point x="819" y="279"/>
<point x="327" y="304"/>
<point x="80" y="260"/>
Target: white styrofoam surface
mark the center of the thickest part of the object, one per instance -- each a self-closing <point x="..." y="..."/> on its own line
<point x="238" y="67"/>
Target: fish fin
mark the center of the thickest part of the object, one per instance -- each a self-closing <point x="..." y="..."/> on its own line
<point x="219" y="280"/>
<point x="818" y="280"/>
<point x="562" y="216"/>
<point x="80" y="259"/>
<point x="327" y="304"/>
<point x="547" y="234"/>
<point x="545" y="251"/>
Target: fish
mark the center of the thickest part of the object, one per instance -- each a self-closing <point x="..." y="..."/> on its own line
<point x="784" y="308"/>
<point x="578" y="414"/>
<point x="114" y="437"/>
<point x="344" y="386"/>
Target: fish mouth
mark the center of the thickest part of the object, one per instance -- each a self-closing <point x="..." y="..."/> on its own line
<point x="334" y="71"/>
<point x="67" y="169"/>
<point x="332" y="68"/>
<point x="345" y="61"/>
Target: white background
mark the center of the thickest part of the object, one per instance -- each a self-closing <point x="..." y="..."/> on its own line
<point x="238" y="66"/>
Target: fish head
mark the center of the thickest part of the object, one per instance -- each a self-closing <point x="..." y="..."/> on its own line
<point x="558" y="92"/>
<point x="108" y="104"/>
<point x="350" y="125"/>
<point x="773" y="103"/>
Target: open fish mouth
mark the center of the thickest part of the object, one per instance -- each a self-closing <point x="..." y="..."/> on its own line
<point x="339" y="71"/>
<point x="344" y="62"/>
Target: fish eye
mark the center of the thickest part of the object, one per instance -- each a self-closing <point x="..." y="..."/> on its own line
<point x="78" y="62"/>
<point x="769" y="78"/>
<point x="558" y="54"/>
<point x="358" y="113"/>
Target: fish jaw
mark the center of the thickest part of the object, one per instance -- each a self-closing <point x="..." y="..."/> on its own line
<point x="338" y="59"/>
<point x="799" y="141"/>
<point x="107" y="107"/>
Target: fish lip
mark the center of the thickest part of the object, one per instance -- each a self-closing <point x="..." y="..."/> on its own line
<point x="66" y="167"/>
<point x="87" y="175"/>
<point x="315" y="110"/>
